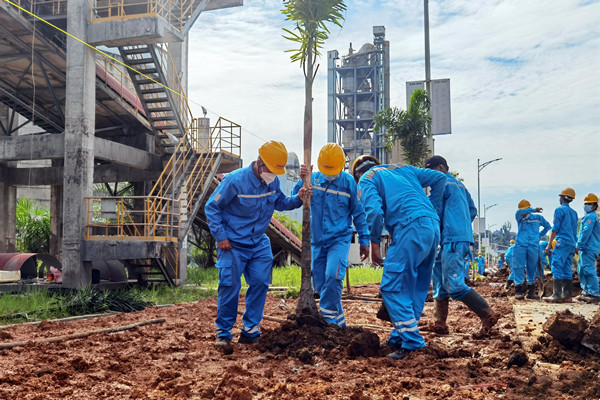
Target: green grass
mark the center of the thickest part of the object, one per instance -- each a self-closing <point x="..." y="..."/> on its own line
<point x="42" y="304"/>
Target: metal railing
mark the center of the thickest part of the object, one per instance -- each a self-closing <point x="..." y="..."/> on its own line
<point x="175" y="12"/>
<point x="172" y="197"/>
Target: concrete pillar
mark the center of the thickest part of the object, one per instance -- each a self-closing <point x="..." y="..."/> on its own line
<point x="8" y="213"/>
<point x="179" y="53"/>
<point x="8" y="198"/>
<point x="79" y="145"/>
<point x="56" y="216"/>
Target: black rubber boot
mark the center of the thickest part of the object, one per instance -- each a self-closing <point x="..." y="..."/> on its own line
<point x="480" y="306"/>
<point x="519" y="292"/>
<point x="557" y="295"/>
<point x="567" y="291"/>
<point x="531" y="293"/>
<point x="440" y="315"/>
<point x="509" y="283"/>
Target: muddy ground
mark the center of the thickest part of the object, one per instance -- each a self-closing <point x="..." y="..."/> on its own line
<point x="176" y="359"/>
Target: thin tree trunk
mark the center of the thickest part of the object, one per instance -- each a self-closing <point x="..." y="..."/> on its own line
<point x="306" y="300"/>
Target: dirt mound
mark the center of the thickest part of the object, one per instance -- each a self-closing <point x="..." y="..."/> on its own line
<point x="566" y="327"/>
<point x="591" y="338"/>
<point x="306" y="337"/>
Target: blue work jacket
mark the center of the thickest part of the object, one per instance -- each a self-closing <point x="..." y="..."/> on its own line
<point x="528" y="233"/>
<point x="394" y="194"/>
<point x="509" y="256"/>
<point x="456" y="212"/>
<point x="241" y="207"/>
<point x="589" y="232"/>
<point x="565" y="224"/>
<point x="333" y="206"/>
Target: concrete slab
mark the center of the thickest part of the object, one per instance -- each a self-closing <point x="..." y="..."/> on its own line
<point x="530" y="316"/>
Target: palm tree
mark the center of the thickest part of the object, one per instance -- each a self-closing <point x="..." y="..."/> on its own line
<point x="411" y="127"/>
<point x="310" y="32"/>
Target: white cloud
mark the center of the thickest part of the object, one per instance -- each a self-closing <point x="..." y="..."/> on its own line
<point x="539" y="113"/>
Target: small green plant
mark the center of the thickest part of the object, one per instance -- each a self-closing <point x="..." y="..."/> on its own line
<point x="33" y="227"/>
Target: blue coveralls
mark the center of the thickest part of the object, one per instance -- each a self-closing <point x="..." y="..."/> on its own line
<point x="456" y="213"/>
<point x="240" y="210"/>
<point x="480" y="265"/>
<point x="543" y="255"/>
<point x="588" y="243"/>
<point x="394" y="194"/>
<point x="565" y="226"/>
<point x="333" y="207"/>
<point x="527" y="246"/>
<point x="500" y="263"/>
<point x="509" y="257"/>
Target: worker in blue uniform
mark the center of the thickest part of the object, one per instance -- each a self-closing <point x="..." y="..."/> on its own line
<point x="510" y="263"/>
<point x="500" y="262"/>
<point x="238" y="214"/>
<point x="457" y="212"/>
<point x="588" y="246"/>
<point x="393" y="195"/>
<point x="543" y="256"/>
<point x="564" y="229"/>
<point x="480" y="259"/>
<point x="526" y="253"/>
<point x="333" y="207"/>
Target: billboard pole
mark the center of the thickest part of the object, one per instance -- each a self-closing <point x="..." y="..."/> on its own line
<point x="428" y="66"/>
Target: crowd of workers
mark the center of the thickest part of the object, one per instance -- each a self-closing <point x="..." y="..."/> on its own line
<point x="528" y="255"/>
<point x="431" y="238"/>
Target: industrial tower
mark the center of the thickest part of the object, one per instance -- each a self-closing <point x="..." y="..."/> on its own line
<point x="108" y="118"/>
<point x="358" y="87"/>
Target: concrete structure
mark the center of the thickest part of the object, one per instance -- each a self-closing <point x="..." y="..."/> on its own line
<point x="99" y="122"/>
<point x="358" y="88"/>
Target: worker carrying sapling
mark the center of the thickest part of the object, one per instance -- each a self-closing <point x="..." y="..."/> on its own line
<point x="334" y="207"/>
<point x="238" y="214"/>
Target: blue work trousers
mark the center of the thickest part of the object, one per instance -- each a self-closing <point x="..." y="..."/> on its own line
<point x="480" y="268"/>
<point x="256" y="264"/>
<point x="525" y="260"/>
<point x="586" y="269"/>
<point x="448" y="278"/>
<point x="562" y="261"/>
<point x="329" y="264"/>
<point x="406" y="279"/>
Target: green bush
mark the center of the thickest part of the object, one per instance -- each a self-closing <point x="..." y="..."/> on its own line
<point x="33" y="227"/>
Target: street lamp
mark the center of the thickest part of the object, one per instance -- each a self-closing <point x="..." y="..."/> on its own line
<point x="481" y="166"/>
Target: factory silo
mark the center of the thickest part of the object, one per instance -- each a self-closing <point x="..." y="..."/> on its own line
<point x="358" y="88"/>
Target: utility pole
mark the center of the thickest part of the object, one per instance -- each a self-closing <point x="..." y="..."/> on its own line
<point x="428" y="67"/>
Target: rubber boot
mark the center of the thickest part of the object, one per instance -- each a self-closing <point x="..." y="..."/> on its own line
<point x="567" y="291"/>
<point x="440" y="314"/>
<point x="509" y="283"/>
<point x="480" y="306"/>
<point x="382" y="313"/>
<point x="531" y="294"/>
<point x="557" y="295"/>
<point x="519" y="292"/>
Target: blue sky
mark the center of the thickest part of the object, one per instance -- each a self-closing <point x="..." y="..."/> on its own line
<point x="524" y="79"/>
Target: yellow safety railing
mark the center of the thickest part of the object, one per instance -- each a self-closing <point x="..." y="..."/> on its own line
<point x="41" y="7"/>
<point x="175" y="12"/>
<point x="167" y="205"/>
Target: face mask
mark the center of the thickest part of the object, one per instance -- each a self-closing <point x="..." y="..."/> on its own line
<point x="268" y="177"/>
<point x="587" y="208"/>
<point x="331" y="178"/>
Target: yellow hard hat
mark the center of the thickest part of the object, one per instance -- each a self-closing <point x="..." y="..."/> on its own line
<point x="523" y="204"/>
<point x="568" y="192"/>
<point x="590" y="198"/>
<point x="274" y="155"/>
<point x="362" y="164"/>
<point x="331" y="159"/>
<point x="479" y="253"/>
<point x="512" y="241"/>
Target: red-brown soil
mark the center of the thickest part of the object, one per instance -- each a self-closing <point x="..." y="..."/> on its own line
<point x="177" y="360"/>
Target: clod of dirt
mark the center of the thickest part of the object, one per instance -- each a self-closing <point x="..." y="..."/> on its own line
<point x="227" y="350"/>
<point x="364" y="344"/>
<point x="518" y="358"/>
<point x="306" y="357"/>
<point x="566" y="327"/>
<point x="591" y="338"/>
